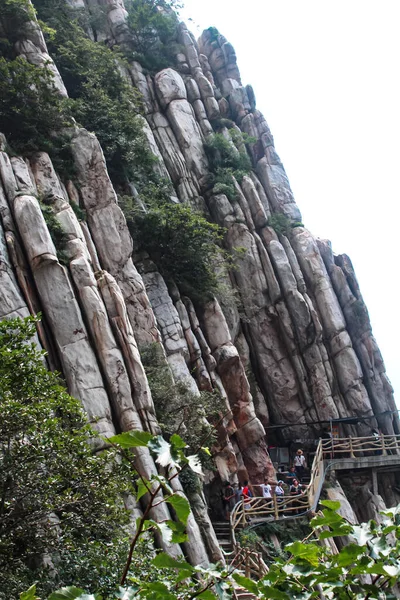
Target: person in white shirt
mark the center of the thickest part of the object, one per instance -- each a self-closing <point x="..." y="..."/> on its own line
<point x="266" y="491"/>
<point x="279" y="493"/>
<point x="300" y="464"/>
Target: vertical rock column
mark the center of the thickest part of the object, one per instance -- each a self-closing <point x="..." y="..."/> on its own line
<point x="345" y="363"/>
<point x="347" y="290"/>
<point x="250" y="433"/>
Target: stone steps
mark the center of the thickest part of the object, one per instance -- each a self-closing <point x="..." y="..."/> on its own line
<point x="223" y="532"/>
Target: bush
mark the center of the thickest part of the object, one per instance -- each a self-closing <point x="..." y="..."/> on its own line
<point x="14" y="17"/>
<point x="179" y="410"/>
<point x="57" y="233"/>
<point x="227" y="159"/>
<point x="100" y="98"/>
<point x="282" y="224"/>
<point x="31" y="110"/>
<point x="248" y="538"/>
<point x="183" y="244"/>
<point x="153" y="29"/>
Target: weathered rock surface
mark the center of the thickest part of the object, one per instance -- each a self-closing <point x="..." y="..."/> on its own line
<point x="295" y="350"/>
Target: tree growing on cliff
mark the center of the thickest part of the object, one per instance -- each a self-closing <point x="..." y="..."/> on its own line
<point x="153" y="30"/>
<point x="182" y="243"/>
<point x="57" y="496"/>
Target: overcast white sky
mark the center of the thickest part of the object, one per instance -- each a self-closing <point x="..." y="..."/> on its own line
<point x="326" y="76"/>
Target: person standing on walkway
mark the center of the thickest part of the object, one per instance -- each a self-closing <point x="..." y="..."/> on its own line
<point x="299" y="464"/>
<point x="229" y="499"/>
<point x="247" y="495"/>
<point x="291" y="474"/>
<point x="296" y="489"/>
<point x="266" y="491"/>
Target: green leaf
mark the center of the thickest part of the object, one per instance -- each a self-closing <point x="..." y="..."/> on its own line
<point x="348" y="555"/>
<point x="206" y="450"/>
<point x="158" y="591"/>
<point x="195" y="464"/>
<point x="165" y="561"/>
<point x="131" y="439"/>
<point x="308" y="552"/>
<point x="336" y="531"/>
<point x="331" y="504"/>
<point x="275" y="594"/>
<point x="181" y="506"/>
<point x="141" y="488"/>
<point x="29" y="594"/>
<point x="207" y="595"/>
<point x="245" y="582"/>
<point x="179" y="534"/>
<point x="328" y="517"/>
<point x="177" y="442"/>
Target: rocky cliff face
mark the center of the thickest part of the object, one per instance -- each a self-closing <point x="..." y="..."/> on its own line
<point x="299" y="351"/>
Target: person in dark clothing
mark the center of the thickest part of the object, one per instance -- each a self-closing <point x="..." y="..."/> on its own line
<point x="300" y="464"/>
<point x="296" y="489"/>
<point x="229" y="499"/>
<point x="291" y="475"/>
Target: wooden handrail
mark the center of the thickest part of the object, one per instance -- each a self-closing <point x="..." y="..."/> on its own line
<point x="353" y="446"/>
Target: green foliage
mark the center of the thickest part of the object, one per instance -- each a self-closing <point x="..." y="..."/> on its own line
<point x="183" y="244"/>
<point x="57" y="233"/>
<point x="179" y="410"/>
<point x="286" y="532"/>
<point x="79" y="212"/>
<point x="48" y="471"/>
<point x="368" y="567"/>
<point x="31" y="110"/>
<point x="101" y="99"/>
<point x="153" y="30"/>
<point x="248" y="538"/>
<point x="282" y="224"/>
<point x="14" y="19"/>
<point x="227" y="159"/>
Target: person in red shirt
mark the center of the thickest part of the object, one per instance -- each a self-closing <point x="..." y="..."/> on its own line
<point x="246" y="492"/>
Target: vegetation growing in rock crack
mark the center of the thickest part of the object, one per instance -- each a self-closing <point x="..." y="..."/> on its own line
<point x="182" y="243"/>
<point x="57" y="234"/>
<point x="31" y="110"/>
<point x="282" y="224"/>
<point x="228" y="159"/>
<point x="180" y="411"/>
<point x="34" y="116"/>
<point x="14" y="20"/>
<point x="153" y="31"/>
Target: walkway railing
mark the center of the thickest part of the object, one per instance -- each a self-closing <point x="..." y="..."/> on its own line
<point x="358" y="447"/>
<point x="317" y="478"/>
<point x="249" y="561"/>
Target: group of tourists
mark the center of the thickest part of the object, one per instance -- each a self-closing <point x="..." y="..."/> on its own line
<point x="281" y="490"/>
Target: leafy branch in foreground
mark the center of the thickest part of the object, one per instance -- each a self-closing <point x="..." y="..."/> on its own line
<point x="368" y="567"/>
